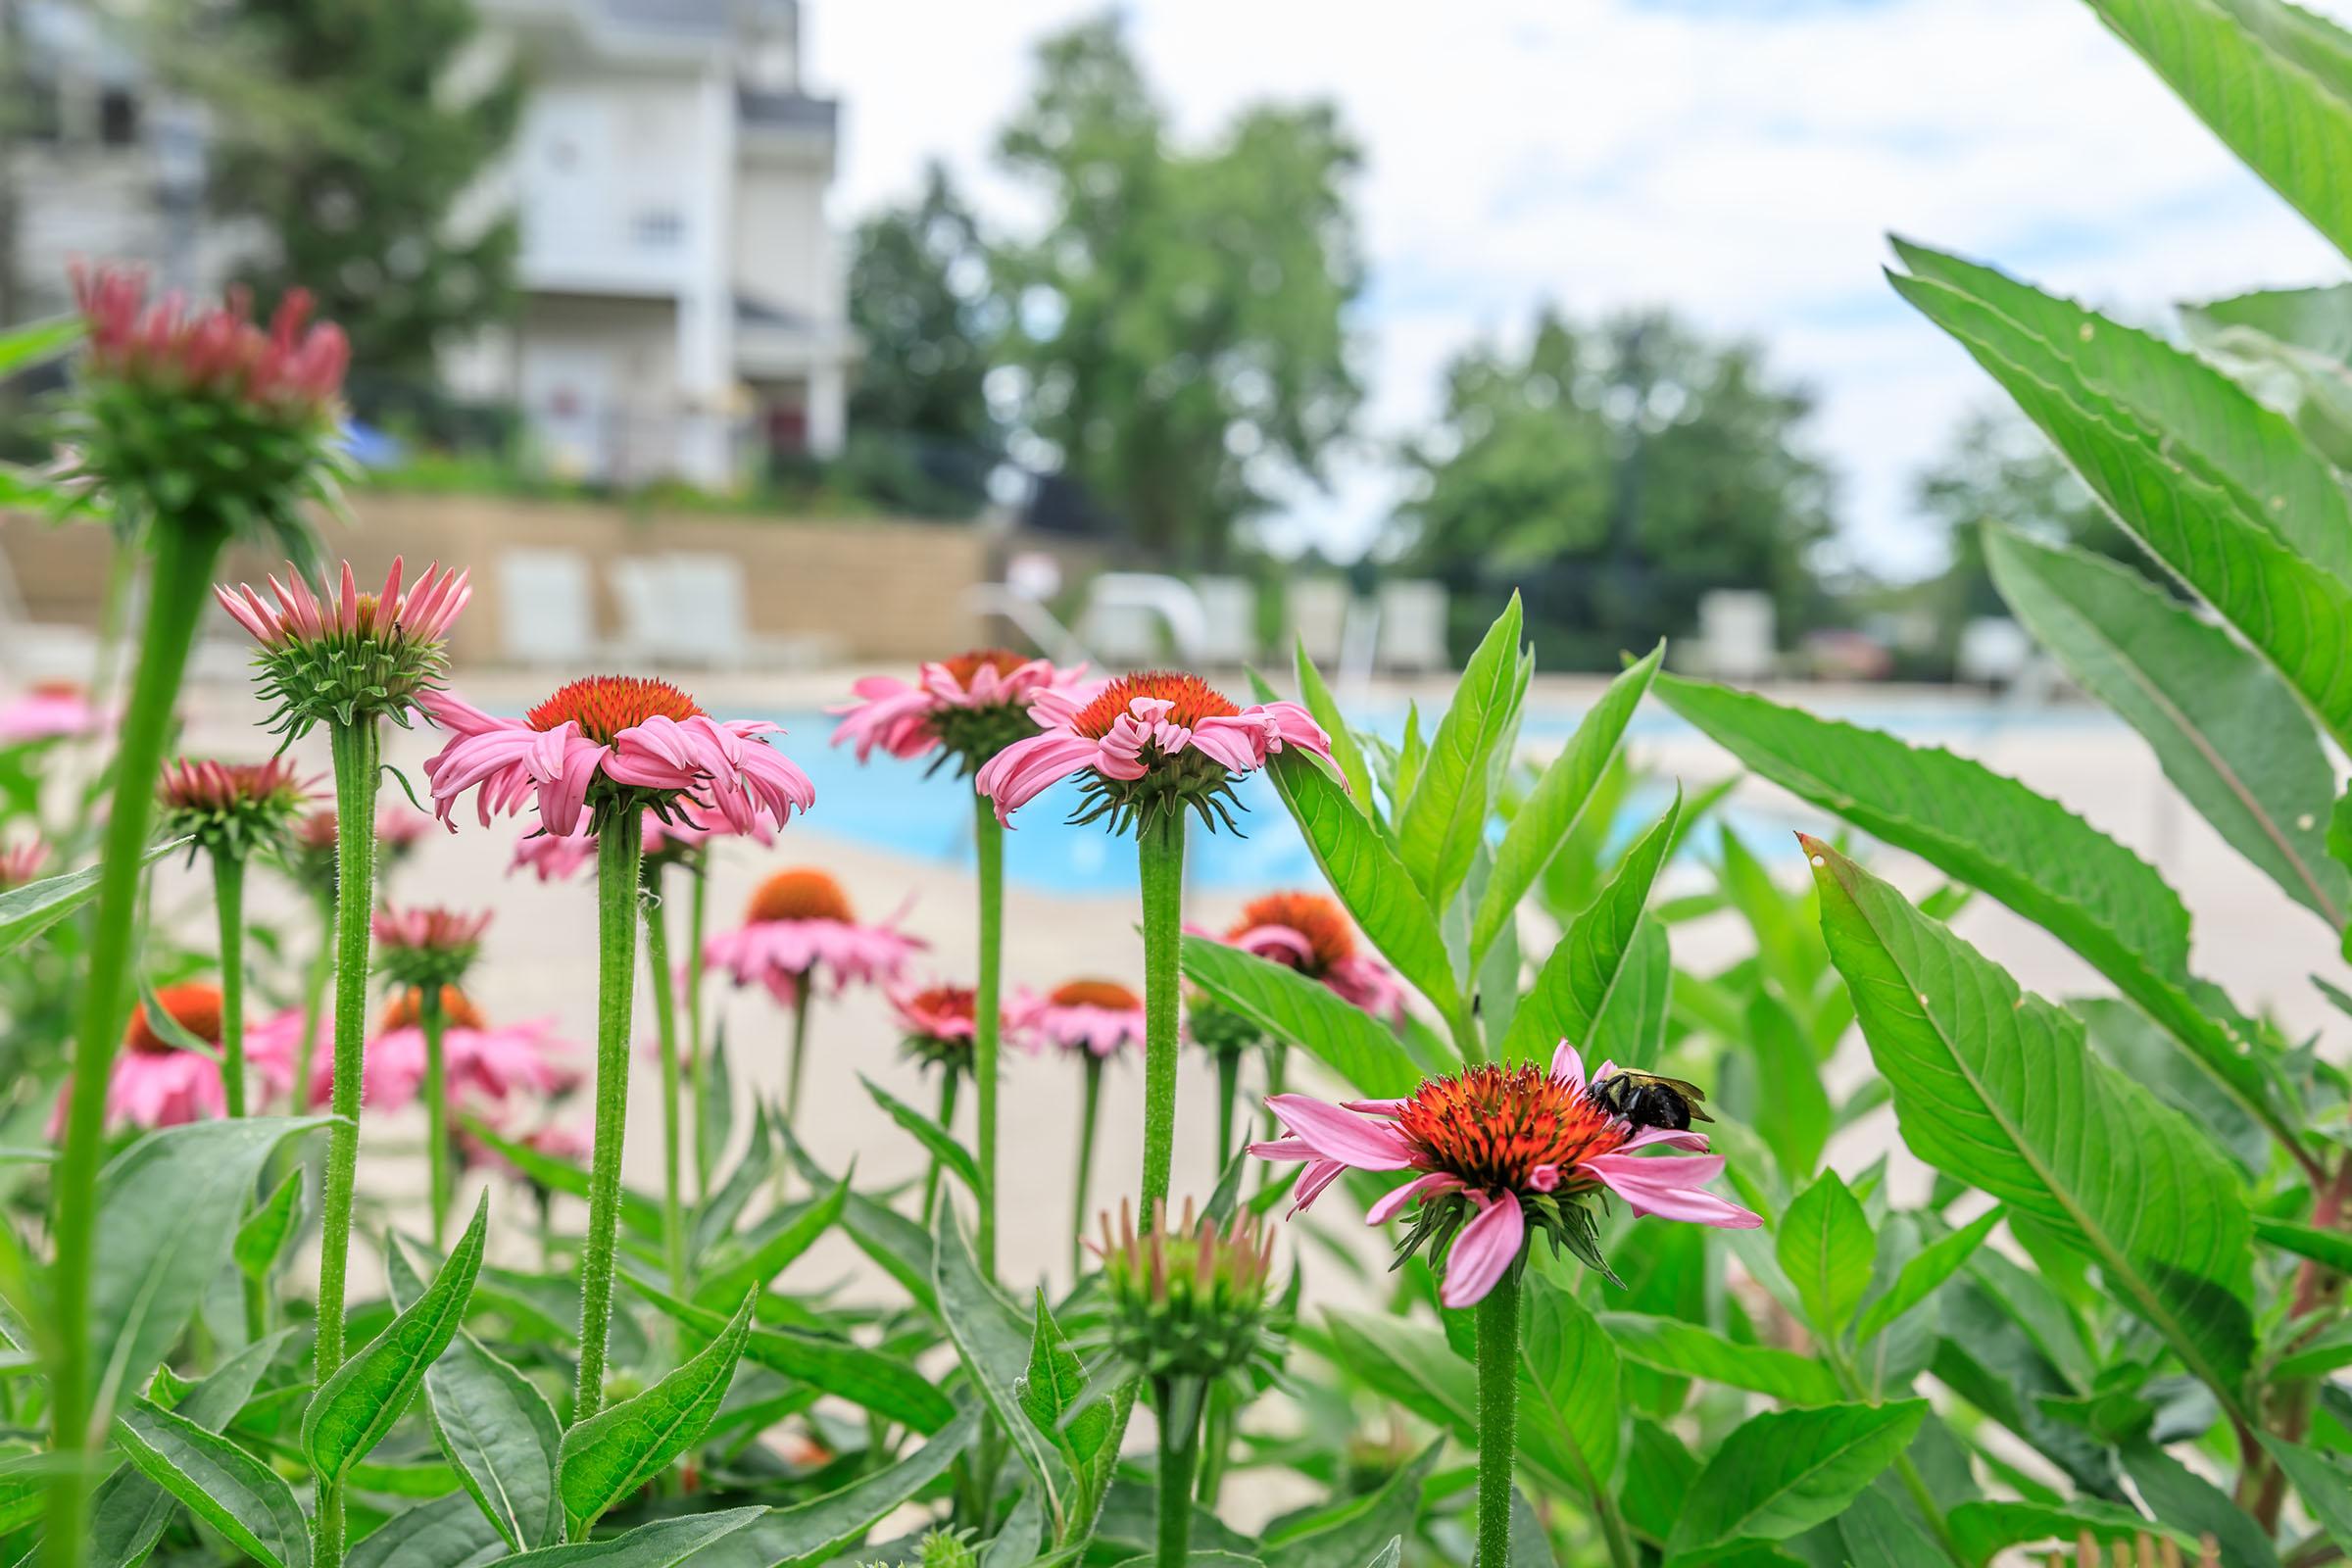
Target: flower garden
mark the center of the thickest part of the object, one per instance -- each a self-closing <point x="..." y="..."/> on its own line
<point x="1630" y="1312"/>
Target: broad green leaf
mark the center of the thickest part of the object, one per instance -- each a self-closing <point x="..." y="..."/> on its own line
<point x="128" y="1511"/>
<point x="2256" y="73"/>
<point x="222" y="1483"/>
<point x="1304" y="1012"/>
<point x="2222" y="543"/>
<point x="994" y="1342"/>
<point x="2327" y="1491"/>
<point x="1786" y="1471"/>
<point x="1345" y="751"/>
<point x="1631" y="1027"/>
<point x="1691" y="1349"/>
<point x="937" y="1141"/>
<point x="353" y="1409"/>
<point x="28" y="911"/>
<point x="1369" y="878"/>
<point x="262" y="1237"/>
<point x="2186" y="1499"/>
<point x="2292" y="348"/>
<point x="2227" y="732"/>
<point x="1792" y="1107"/>
<point x="1877" y="1533"/>
<point x="822" y="1529"/>
<point x="168" y="1210"/>
<point x="776" y="1248"/>
<point x="897" y="1244"/>
<point x="1984" y="1527"/>
<point x="640" y="1214"/>
<point x="1918" y="1279"/>
<point x="1568" y="1388"/>
<point x="1975" y="825"/>
<point x="30" y="343"/>
<point x="715" y="1119"/>
<point x="663" y="1543"/>
<point x="1585" y="966"/>
<point x="885" y="1384"/>
<point x="1825" y="1248"/>
<point x="447" y="1532"/>
<point x="614" y="1452"/>
<point x="1052" y="1389"/>
<point x="1413" y="1364"/>
<point x="2333" y="1249"/>
<point x="1996" y="1087"/>
<point x="1358" y="1529"/>
<point x="1445" y="817"/>
<point x="1551" y="811"/>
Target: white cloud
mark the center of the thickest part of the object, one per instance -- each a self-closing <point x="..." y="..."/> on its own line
<point x="1739" y="163"/>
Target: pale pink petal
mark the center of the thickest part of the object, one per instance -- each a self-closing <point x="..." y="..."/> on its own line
<point x="1341" y="1135"/>
<point x="1670" y="1187"/>
<point x="1568" y="1065"/>
<point x="1393" y="1200"/>
<point x="1486" y="1247"/>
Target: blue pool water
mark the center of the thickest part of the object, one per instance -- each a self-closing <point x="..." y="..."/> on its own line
<point x="890" y="805"/>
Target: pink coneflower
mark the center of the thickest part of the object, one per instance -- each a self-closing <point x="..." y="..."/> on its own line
<point x="20" y="862"/>
<point x="428" y="944"/>
<point x="293" y="369"/>
<point x="1097" y="1017"/>
<point x="1145" y="744"/>
<point x="1311" y="934"/>
<point x="423" y="614"/>
<point x="1496" y="1148"/>
<point x="633" y="736"/>
<point x="348" y="657"/>
<point x="231" y="809"/>
<point x="801" y="923"/>
<point x="967" y="708"/>
<point x="50" y="711"/>
<point x="156" y="1083"/>
<point x="936" y="1022"/>
<point x="398" y="828"/>
<point x="486" y="1063"/>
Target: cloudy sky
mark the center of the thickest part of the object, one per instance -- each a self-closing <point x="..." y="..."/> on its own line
<point x="1739" y="160"/>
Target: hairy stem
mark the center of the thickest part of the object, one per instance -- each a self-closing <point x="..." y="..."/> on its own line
<point x="1229" y="1092"/>
<point x="987" y="1019"/>
<point x="665" y="1028"/>
<point x="313" y="999"/>
<point x="228" y="907"/>
<point x="619" y="850"/>
<point x="355" y="748"/>
<point x="432" y="1021"/>
<point x="1498" y="1320"/>
<point x="1160" y="852"/>
<point x="186" y="550"/>
<point x="1089" y="1109"/>
<point x="1179" y="1402"/>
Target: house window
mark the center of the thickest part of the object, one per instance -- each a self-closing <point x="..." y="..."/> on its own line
<point x="662" y="229"/>
<point x="118" y="117"/>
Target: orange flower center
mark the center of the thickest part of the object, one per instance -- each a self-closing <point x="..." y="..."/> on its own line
<point x="604" y="706"/>
<point x="1493" y="1125"/>
<point x="457" y="1011"/>
<point x="943" y="1003"/>
<point x="1193" y="698"/>
<point x="366" y="606"/>
<point x="56" y="687"/>
<point x="803" y="893"/>
<point x="195" y="1006"/>
<point x="1313" y="916"/>
<point x="1107" y="995"/>
<point x="964" y="666"/>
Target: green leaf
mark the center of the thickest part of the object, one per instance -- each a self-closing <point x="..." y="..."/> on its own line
<point x="2227" y="732"/>
<point x="1918" y="1279"/>
<point x="1053" y="1387"/>
<point x="897" y="1244"/>
<point x="2180" y="1497"/>
<point x="168" y="1208"/>
<point x="28" y="911"/>
<point x="1368" y="877"/>
<point x="1306" y="1013"/>
<point x="1825" y="1248"/>
<point x="1631" y="1026"/>
<point x="1413" y="1364"/>
<point x="1345" y="751"/>
<point x="995" y="1343"/>
<point x="128" y="1512"/>
<point x="1358" y="1529"/>
<point x="2256" y="73"/>
<point x="447" y="1532"/>
<point x="776" y="1249"/>
<point x="665" y="1544"/>
<point x="1975" y="825"/>
<point x="937" y="1141"/>
<point x="2221" y="542"/>
<point x="640" y="1214"/>
<point x="620" y="1448"/>
<point x="2333" y="1249"/>
<point x="1690" y="1349"/>
<point x="822" y="1529"/>
<point x="1789" y="1470"/>
<point x="1793" y="1109"/>
<point x="2290" y="347"/>
<point x="714" y="1221"/>
<point x="262" y="1237"/>
<point x="882" y="1384"/>
<point x="1568" y="1402"/>
<point x="714" y="1116"/>
<point x="1984" y="1527"/>
<point x="1877" y="1533"/>
<point x="31" y="343"/>
<point x="2325" y="1490"/>
<point x="1585" y="967"/>
<point x="1443" y="821"/>
<point x="1996" y="1088"/>
<point x="1552" y="810"/>
<point x="219" y="1482"/>
<point x="351" y="1410"/>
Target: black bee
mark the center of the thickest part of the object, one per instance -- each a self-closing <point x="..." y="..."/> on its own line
<point x="1648" y="1101"/>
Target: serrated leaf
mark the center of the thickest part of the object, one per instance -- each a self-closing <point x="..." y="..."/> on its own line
<point x="219" y="1482"/>
<point x="1996" y="1086"/>
<point x="614" y="1452"/>
<point x="1413" y="1364"/>
<point x="1585" y="966"/>
<point x="1919" y="1278"/>
<point x="446" y="1533"/>
<point x="354" y="1409"/>
<point x="2225" y="729"/>
<point x="697" y="1539"/>
<point x="1355" y="1531"/>
<point x="262" y="1237"/>
<point x="1692" y="1349"/>
<point x="1053" y="1388"/>
<point x="1789" y="1470"/>
<point x="715" y="1117"/>
<point x="128" y="1512"/>
<point x="1306" y="1013"/>
<point x="995" y="1343"/>
<point x="774" y="1249"/>
<point x="937" y="1141"/>
<point x="1442" y="820"/>
<point x="1825" y="1248"/>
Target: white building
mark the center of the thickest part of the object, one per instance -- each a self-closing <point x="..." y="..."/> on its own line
<point x="683" y="310"/>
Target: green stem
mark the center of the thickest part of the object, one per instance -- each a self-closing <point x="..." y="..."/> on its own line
<point x="1159" y="856"/>
<point x="665" y="1028"/>
<point x="1497" y="1417"/>
<point x="354" y="749"/>
<point x="1216" y="1443"/>
<point x="1089" y="1109"/>
<point x="619" y="849"/>
<point x="987" y="1021"/>
<point x="433" y="1023"/>
<point x="698" y="914"/>
<point x="1229" y="1092"/>
<point x="1178" y="1452"/>
<point x="947" y="1121"/>
<point x="228" y="905"/>
<point x="1278" y="1069"/>
<point x="185" y="549"/>
<point x="802" y="992"/>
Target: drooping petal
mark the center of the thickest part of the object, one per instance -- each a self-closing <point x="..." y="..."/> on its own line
<point x="1486" y="1247"/>
<point x="1393" y="1200"/>
<point x="1341" y="1135"/>
<point x="1670" y="1187"/>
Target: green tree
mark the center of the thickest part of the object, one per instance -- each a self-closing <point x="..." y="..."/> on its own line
<point x="1181" y="321"/>
<point x="1616" y="474"/>
<point x="343" y="135"/>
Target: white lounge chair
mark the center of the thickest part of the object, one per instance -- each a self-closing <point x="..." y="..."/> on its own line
<point x="1318" y="610"/>
<point x="1412" y="626"/>
<point x="546" y="608"/>
<point x="1229" y="606"/>
<point x="705" y="618"/>
<point x="1127" y="612"/>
